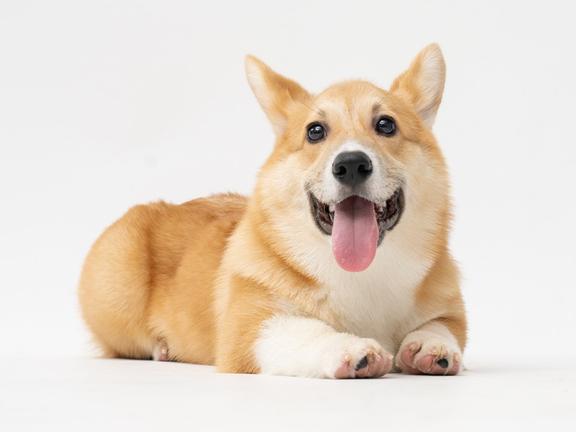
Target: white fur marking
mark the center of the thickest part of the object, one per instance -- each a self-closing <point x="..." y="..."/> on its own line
<point x="306" y="347"/>
<point x="379" y="186"/>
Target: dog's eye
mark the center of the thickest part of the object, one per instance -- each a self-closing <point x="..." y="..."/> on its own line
<point x="316" y="132"/>
<point x="386" y="126"/>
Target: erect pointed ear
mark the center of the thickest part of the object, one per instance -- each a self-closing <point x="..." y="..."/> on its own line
<point x="422" y="84"/>
<point x="275" y="93"/>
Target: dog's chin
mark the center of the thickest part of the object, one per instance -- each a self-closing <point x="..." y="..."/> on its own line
<point x="388" y="213"/>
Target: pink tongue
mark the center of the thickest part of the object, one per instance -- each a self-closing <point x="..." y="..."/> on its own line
<point x="354" y="234"/>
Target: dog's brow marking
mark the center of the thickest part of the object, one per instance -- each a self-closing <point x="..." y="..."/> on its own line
<point x="348" y="116"/>
<point x="376" y="108"/>
<point x="348" y="109"/>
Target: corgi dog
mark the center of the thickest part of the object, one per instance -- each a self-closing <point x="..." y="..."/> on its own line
<point x="337" y="266"/>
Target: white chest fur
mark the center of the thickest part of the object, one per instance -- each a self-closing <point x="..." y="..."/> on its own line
<point x="378" y="302"/>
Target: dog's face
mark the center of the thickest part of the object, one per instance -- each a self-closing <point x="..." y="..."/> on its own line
<point x="349" y="156"/>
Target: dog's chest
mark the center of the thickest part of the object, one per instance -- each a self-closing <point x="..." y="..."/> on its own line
<point x="380" y="302"/>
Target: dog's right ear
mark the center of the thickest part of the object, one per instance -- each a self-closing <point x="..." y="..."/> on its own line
<point x="276" y="94"/>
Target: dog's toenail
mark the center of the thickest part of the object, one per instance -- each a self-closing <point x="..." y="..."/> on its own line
<point x="443" y="363"/>
<point x="362" y="363"/>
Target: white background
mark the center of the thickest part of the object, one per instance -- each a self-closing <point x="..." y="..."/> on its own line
<point x="106" y="104"/>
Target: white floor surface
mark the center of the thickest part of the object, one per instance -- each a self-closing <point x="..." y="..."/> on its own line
<point x="96" y="394"/>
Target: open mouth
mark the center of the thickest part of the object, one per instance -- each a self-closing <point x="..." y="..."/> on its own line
<point x="357" y="226"/>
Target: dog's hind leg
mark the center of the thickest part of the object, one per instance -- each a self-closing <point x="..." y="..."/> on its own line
<point x="115" y="286"/>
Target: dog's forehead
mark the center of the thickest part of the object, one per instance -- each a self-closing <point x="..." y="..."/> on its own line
<point x="350" y="98"/>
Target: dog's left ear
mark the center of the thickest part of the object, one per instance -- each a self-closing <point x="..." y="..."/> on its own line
<point x="276" y="94"/>
<point x="422" y="85"/>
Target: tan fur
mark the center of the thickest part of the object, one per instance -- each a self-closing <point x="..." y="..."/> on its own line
<point x="150" y="276"/>
<point x="204" y="275"/>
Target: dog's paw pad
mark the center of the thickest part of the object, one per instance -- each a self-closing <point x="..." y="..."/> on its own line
<point x="160" y="352"/>
<point x="364" y="360"/>
<point x="429" y="357"/>
<point x="362" y="363"/>
<point x="443" y="363"/>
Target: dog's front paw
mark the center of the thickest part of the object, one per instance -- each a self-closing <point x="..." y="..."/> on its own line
<point x="348" y="356"/>
<point x="429" y="356"/>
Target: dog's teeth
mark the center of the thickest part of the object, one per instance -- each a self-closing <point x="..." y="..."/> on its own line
<point x="332" y="208"/>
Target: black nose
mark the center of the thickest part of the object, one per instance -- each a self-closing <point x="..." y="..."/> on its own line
<point x="352" y="168"/>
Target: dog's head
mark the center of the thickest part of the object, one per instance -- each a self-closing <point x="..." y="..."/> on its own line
<point x="349" y="160"/>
